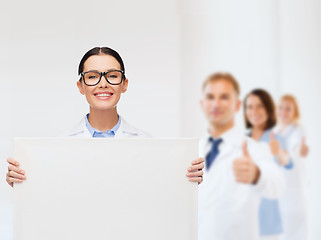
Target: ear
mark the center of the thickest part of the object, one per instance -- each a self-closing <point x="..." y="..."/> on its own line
<point x="124" y="86"/>
<point x="81" y="87"/>
<point x="238" y="105"/>
<point x="201" y="103"/>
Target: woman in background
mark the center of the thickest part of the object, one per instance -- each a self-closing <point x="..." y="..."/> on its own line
<point x="260" y="118"/>
<point x="293" y="204"/>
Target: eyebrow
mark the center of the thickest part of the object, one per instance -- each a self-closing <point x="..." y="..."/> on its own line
<point x="218" y="95"/>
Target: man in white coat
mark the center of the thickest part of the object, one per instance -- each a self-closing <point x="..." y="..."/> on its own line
<point x="238" y="172"/>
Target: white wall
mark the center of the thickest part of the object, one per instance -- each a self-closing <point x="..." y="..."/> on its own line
<point x="168" y="47"/>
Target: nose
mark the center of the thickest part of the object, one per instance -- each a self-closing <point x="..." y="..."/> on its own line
<point x="103" y="82"/>
<point x="215" y="102"/>
<point x="255" y="110"/>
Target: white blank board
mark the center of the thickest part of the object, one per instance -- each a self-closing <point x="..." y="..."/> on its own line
<point x="115" y="189"/>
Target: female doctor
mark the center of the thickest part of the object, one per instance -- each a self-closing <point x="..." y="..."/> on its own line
<point x="260" y="118"/>
<point x="294" y="202"/>
<point x="102" y="81"/>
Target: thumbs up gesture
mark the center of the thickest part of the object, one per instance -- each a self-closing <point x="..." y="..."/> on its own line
<point x="304" y="149"/>
<point x="274" y="145"/>
<point x="245" y="170"/>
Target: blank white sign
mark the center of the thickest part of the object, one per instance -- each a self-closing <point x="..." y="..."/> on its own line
<point x="115" y="189"/>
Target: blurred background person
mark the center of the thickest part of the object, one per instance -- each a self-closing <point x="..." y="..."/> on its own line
<point x="260" y="119"/>
<point x="239" y="171"/>
<point x="293" y="204"/>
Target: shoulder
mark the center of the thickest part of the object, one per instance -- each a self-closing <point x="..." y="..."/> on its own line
<point x="79" y="129"/>
<point x="126" y="130"/>
<point x="299" y="129"/>
<point x="236" y="137"/>
<point x="257" y="149"/>
<point x="296" y="133"/>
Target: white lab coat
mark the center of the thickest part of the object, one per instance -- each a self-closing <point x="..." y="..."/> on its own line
<point x="229" y="210"/>
<point x="293" y="205"/>
<point x="124" y="130"/>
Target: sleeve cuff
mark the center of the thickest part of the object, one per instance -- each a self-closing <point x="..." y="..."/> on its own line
<point x="290" y="165"/>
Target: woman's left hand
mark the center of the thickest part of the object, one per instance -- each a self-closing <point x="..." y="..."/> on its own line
<point x="195" y="171"/>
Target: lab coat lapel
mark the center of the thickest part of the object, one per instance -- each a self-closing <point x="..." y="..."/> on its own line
<point x="224" y="152"/>
<point x="80" y="129"/>
<point x="125" y="130"/>
<point x="231" y="144"/>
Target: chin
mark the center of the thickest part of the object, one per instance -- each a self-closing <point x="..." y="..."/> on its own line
<point x="103" y="107"/>
<point x="217" y="121"/>
<point x="283" y="121"/>
<point x="257" y="124"/>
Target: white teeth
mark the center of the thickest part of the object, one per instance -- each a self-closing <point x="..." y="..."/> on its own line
<point x="103" y="95"/>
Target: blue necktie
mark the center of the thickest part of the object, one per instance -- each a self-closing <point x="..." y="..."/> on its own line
<point x="213" y="153"/>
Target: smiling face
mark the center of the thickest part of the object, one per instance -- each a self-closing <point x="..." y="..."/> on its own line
<point x="103" y="96"/>
<point x="220" y="103"/>
<point x="286" y="112"/>
<point x="255" y="112"/>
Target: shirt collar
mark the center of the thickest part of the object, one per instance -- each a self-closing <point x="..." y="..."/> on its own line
<point x="96" y="133"/>
<point x="233" y="136"/>
<point x="265" y="136"/>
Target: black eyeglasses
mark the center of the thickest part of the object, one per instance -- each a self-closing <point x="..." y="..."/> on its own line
<point x="113" y="77"/>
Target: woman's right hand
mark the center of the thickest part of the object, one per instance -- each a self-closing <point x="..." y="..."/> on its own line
<point x="274" y="145"/>
<point x="14" y="174"/>
<point x="304" y="149"/>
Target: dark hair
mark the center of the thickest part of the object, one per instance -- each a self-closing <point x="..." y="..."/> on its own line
<point x="101" y="51"/>
<point x="268" y="104"/>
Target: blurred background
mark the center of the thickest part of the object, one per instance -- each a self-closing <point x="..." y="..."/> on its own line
<point x="168" y="48"/>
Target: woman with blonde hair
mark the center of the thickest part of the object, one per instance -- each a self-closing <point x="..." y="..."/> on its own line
<point x="293" y="204"/>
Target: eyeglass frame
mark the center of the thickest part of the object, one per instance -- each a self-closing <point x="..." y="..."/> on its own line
<point x="105" y="75"/>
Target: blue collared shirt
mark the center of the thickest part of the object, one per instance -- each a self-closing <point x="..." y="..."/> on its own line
<point x="98" y="134"/>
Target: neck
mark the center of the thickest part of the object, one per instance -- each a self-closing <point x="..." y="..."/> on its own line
<point x="257" y="133"/>
<point x="218" y="130"/>
<point x="283" y="125"/>
<point x="103" y="120"/>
